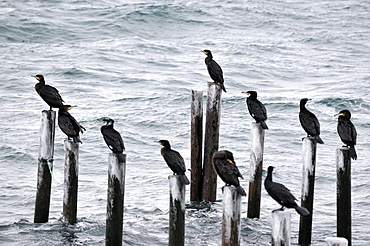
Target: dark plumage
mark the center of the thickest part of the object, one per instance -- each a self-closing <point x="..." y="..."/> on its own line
<point x="309" y="122"/>
<point x="68" y="124"/>
<point x="347" y="132"/>
<point x="48" y="93"/>
<point x="174" y="161"/>
<point x="225" y="167"/>
<point x="256" y="109"/>
<point x="214" y="69"/>
<point x="282" y="195"/>
<point x="112" y="138"/>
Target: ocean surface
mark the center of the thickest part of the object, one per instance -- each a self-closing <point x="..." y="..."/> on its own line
<point x="137" y="62"/>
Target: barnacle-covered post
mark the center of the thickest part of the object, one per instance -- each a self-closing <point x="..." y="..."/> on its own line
<point x="280" y="228"/>
<point x="70" y="181"/>
<point x="255" y="170"/>
<point x="344" y="210"/>
<point x="231" y="215"/>
<point x="45" y="166"/>
<point x="336" y="241"/>
<point x="196" y="145"/>
<point x="309" y="147"/>
<point x="177" y="212"/>
<point x="211" y="141"/>
<point x="115" y="200"/>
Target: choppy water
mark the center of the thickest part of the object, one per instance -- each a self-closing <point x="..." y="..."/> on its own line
<point x="136" y="61"/>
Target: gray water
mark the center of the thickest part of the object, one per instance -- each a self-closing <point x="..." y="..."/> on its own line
<point x="136" y="62"/>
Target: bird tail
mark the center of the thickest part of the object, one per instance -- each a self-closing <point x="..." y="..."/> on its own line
<point x="120" y="157"/>
<point x="302" y="211"/>
<point x="264" y="125"/>
<point x="223" y="87"/>
<point x="184" y="179"/>
<point x="352" y="152"/>
<point x="318" y="139"/>
<point x="241" y="191"/>
<point x="76" y="139"/>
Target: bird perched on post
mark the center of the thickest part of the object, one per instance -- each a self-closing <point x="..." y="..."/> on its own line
<point x="225" y="167"/>
<point x="256" y="109"/>
<point x="48" y="93"/>
<point x="214" y="69"/>
<point x="347" y="132"/>
<point x="68" y="124"/>
<point x="174" y="161"/>
<point x="282" y="195"/>
<point x="112" y="138"/>
<point x="309" y="121"/>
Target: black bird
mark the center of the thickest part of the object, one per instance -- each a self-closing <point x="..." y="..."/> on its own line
<point x="174" y="161"/>
<point x="48" y="93"/>
<point x="225" y="167"/>
<point x="214" y="69"/>
<point x="282" y="195"/>
<point x="112" y="138"/>
<point x="256" y="109"/>
<point x="347" y="132"/>
<point x="309" y="122"/>
<point x="68" y="124"/>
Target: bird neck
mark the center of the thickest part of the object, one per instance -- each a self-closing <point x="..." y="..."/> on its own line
<point x="302" y="106"/>
<point x="208" y="58"/>
<point x="269" y="176"/>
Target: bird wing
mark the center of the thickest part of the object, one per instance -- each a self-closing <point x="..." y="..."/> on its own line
<point x="309" y="123"/>
<point x="67" y="125"/>
<point x="227" y="171"/>
<point x="215" y="71"/>
<point x="114" y="140"/>
<point x="256" y="109"/>
<point x="174" y="161"/>
<point x="347" y="131"/>
<point x="281" y="194"/>
<point x="50" y="93"/>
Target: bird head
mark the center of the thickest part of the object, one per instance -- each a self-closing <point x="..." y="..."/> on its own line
<point x="39" y="77"/>
<point x="107" y="121"/>
<point x="207" y="52"/>
<point x="344" y="113"/>
<point x="164" y="143"/>
<point x="251" y="94"/>
<point x="69" y="107"/>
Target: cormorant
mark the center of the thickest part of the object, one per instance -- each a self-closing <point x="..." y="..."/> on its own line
<point x="256" y="109"/>
<point x="112" y="138"/>
<point x="48" y="93"/>
<point x="174" y="161"/>
<point x="309" y="122"/>
<point x="68" y="124"/>
<point x="347" y="132"/>
<point x="225" y="167"/>
<point x="282" y="195"/>
<point x="214" y="69"/>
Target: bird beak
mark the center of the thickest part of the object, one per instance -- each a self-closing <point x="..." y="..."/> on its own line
<point x="230" y="161"/>
<point x="158" y="142"/>
<point x="339" y="114"/>
<point x="248" y="94"/>
<point x="71" y="107"/>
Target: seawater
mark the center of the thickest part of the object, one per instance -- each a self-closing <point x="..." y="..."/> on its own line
<point x="136" y="62"/>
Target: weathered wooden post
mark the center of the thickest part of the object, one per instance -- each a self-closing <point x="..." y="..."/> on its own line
<point x="45" y="166"/>
<point x="196" y="145"/>
<point x="280" y="228"/>
<point x="344" y="210"/>
<point x="336" y="241"/>
<point x="70" y="181"/>
<point x="115" y="200"/>
<point x="211" y="141"/>
<point x="255" y="170"/>
<point x="309" y="147"/>
<point x="177" y="212"/>
<point x="231" y="204"/>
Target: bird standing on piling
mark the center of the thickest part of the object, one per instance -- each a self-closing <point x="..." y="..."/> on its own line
<point x="256" y="109"/>
<point x="225" y="167"/>
<point x="214" y="69"/>
<point x="309" y="121"/>
<point x="282" y="195"/>
<point x="48" y="93"/>
<point x="112" y="138"/>
<point x="174" y="161"/>
<point x="68" y="124"/>
<point x="347" y="132"/>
